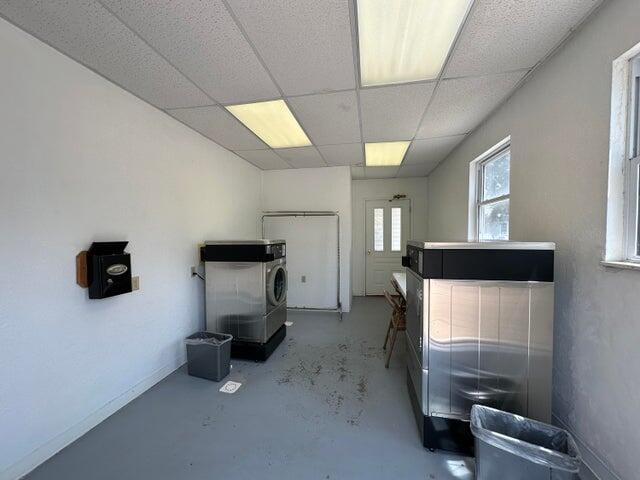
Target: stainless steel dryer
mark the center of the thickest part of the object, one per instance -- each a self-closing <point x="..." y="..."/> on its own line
<point x="246" y="294"/>
<point x="479" y="330"/>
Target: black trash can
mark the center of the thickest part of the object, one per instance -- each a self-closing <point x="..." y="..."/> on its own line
<point x="209" y="355"/>
<point x="518" y="448"/>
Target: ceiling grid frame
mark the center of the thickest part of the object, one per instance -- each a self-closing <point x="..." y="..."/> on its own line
<point x="216" y="103"/>
<point x="597" y="6"/>
<point x="119" y="85"/>
<point x="353" y="21"/>
<point x="42" y="33"/>
<point x="111" y="12"/>
<point x="264" y="65"/>
<point x="94" y="69"/>
<point x="438" y="81"/>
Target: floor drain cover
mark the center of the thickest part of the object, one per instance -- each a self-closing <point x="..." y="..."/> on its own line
<point x="230" y="387"/>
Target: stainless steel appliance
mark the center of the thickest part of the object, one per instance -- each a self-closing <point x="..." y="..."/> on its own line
<point x="246" y="294"/>
<point x="479" y="330"/>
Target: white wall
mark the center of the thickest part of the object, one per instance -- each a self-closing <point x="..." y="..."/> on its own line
<point x="314" y="189"/>
<point x="311" y="242"/>
<point x="361" y="190"/>
<point x="559" y="126"/>
<point x="82" y="160"/>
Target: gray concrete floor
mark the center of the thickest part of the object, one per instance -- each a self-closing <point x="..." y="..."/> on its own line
<point x="322" y="407"/>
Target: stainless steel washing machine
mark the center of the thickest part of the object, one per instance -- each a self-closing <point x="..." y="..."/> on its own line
<point x="246" y="294"/>
<point x="479" y="331"/>
<point x="276" y="284"/>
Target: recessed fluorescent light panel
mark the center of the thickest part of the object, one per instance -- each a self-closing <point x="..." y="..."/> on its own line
<point x="408" y="40"/>
<point x="273" y="122"/>
<point x="385" y="154"/>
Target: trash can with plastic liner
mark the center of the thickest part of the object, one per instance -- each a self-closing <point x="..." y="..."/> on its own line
<point x="209" y="355"/>
<point x="518" y="448"/>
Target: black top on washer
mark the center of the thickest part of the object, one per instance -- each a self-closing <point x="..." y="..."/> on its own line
<point x="243" y="250"/>
<point x="509" y="261"/>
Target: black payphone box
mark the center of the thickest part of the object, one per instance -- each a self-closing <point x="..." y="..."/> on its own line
<point x="108" y="269"/>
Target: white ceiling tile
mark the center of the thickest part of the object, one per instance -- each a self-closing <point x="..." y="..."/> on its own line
<point x="306" y="44"/>
<point x="431" y="151"/>
<point x="393" y="113"/>
<point x="328" y="118"/>
<point x="504" y="35"/>
<point x="417" y="170"/>
<point x="357" y="173"/>
<point x="345" y="154"/>
<point x="381" y="172"/>
<point x="220" y="126"/>
<point x="86" y="32"/>
<point x="460" y="105"/>
<point x="264" y="159"/>
<point x="204" y="42"/>
<point x="302" y="157"/>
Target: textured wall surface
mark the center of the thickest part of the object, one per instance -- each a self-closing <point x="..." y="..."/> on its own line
<point x="559" y="125"/>
<point x="82" y="160"/>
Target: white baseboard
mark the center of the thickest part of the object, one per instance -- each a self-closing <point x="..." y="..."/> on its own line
<point x="53" y="446"/>
<point x="593" y="467"/>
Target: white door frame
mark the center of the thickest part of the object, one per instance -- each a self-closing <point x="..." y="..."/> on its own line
<point x="364" y="236"/>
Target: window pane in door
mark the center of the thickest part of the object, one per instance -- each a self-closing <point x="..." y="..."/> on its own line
<point x="495" y="177"/>
<point x="396" y="229"/>
<point x="493" y="220"/>
<point x="378" y="229"/>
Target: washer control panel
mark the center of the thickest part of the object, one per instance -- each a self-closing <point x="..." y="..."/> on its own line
<point x="278" y="250"/>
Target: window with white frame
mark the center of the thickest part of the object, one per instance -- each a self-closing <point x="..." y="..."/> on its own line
<point x="622" y="245"/>
<point x="632" y="171"/>
<point x="489" y="194"/>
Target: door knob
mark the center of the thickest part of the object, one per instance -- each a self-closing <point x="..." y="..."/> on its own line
<point x="368" y="252"/>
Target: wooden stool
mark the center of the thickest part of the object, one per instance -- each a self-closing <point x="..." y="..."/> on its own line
<point x="397" y="323"/>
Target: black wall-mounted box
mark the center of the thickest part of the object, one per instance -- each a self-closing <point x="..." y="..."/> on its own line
<point x="109" y="269"/>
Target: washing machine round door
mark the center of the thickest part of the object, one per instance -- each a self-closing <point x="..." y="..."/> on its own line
<point x="277" y="286"/>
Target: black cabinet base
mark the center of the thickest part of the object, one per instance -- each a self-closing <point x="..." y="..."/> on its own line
<point x="258" y="352"/>
<point x="438" y="433"/>
<point x="448" y="434"/>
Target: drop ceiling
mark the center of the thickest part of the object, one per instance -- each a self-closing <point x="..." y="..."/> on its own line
<point x="192" y="58"/>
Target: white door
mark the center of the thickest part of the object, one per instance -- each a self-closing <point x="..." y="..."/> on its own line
<point x="388" y="226"/>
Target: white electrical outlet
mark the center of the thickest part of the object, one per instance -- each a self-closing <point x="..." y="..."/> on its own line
<point x="135" y="283"/>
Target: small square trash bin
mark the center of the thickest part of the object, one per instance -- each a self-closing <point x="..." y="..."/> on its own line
<point x="209" y="355"/>
<point x="518" y="448"/>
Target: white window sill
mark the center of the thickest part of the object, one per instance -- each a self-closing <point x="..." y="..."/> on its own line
<point x="621" y="264"/>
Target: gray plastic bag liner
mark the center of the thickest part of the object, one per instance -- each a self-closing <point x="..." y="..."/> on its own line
<point x="535" y="441"/>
